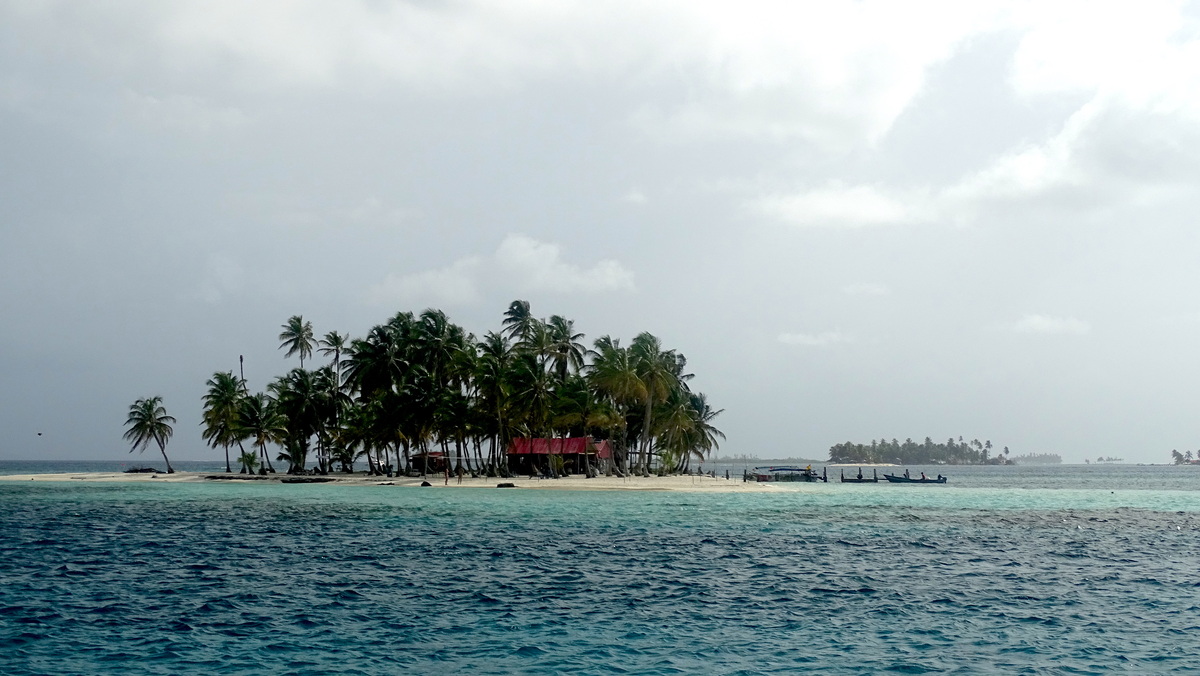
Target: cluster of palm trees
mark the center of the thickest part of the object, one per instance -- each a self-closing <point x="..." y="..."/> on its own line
<point x="419" y="386"/>
<point x="1183" y="458"/>
<point x="974" y="452"/>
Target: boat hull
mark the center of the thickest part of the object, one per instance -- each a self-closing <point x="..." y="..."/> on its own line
<point x="910" y="480"/>
<point x="785" y="474"/>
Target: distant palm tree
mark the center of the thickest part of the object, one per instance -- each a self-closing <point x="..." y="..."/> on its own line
<point x="249" y="461"/>
<point x="297" y="337"/>
<point x="335" y="344"/>
<point x="222" y="405"/>
<point x="301" y="398"/>
<point x="262" y="422"/>
<point x="491" y="379"/>
<point x="613" y="375"/>
<point x="148" y="421"/>
<point x="658" y="371"/>
<point x="565" y="349"/>
<point x="518" y="319"/>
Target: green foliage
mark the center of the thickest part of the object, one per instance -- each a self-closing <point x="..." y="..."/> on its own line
<point x="148" y="421"/>
<point x="249" y="462"/>
<point x="297" y="337"/>
<point x="420" y="384"/>
<point x="222" y="408"/>
<point x="951" y="452"/>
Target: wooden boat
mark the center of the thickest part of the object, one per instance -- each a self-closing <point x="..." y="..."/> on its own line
<point x="786" y="474"/>
<point x="860" y="479"/>
<point x="910" y="480"/>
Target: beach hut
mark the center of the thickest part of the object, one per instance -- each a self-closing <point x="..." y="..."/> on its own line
<point x="435" y="464"/>
<point x="577" y="454"/>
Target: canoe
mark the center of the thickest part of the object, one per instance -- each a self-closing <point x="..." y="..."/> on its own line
<point x="910" y="480"/>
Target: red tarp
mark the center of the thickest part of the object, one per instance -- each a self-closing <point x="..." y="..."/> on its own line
<point x="568" y="446"/>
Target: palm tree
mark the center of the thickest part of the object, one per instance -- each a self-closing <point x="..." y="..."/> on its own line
<point x="297" y="337"/>
<point x="706" y="435"/>
<point x="533" y="392"/>
<point x="299" y="398"/>
<point x="262" y="422"/>
<point x="491" y="379"/>
<point x="249" y="461"/>
<point x="565" y="349"/>
<point x="335" y="343"/>
<point x="658" y="372"/>
<point x="518" y="319"/>
<point x="378" y="362"/>
<point x="614" y="376"/>
<point x="222" y="405"/>
<point x="148" y="421"/>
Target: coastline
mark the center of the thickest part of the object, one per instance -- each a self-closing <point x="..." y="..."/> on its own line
<point x="686" y="483"/>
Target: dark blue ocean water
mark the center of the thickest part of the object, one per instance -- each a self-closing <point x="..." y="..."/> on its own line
<point x="832" y="579"/>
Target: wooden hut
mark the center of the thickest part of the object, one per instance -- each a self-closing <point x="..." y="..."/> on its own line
<point x="578" y="454"/>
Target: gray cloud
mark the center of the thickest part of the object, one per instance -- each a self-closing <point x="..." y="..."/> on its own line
<point x="986" y="200"/>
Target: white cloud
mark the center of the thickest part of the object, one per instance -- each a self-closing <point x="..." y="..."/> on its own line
<point x="1043" y="324"/>
<point x="521" y="263"/>
<point x="815" y="339"/>
<point x="635" y="197"/>
<point x="456" y="284"/>
<point x="534" y="265"/>
<point x="1107" y="152"/>
<point x="1141" y="50"/>
<point x="866" y="289"/>
<point x="836" y="74"/>
<point x="838" y="206"/>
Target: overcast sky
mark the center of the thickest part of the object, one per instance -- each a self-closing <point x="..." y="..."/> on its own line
<point x="857" y="220"/>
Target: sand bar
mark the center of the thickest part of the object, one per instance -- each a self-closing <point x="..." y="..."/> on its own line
<point x="699" y="484"/>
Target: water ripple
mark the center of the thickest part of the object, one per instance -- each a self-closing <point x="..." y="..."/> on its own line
<point x="212" y="579"/>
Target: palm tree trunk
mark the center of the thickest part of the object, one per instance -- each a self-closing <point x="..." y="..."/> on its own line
<point x="163" y="448"/>
<point x="645" y="445"/>
<point x="228" y="469"/>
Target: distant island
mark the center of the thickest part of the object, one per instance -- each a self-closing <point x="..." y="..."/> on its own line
<point x="974" y="452"/>
<point x="1185" y="458"/>
<point x="1038" y="459"/>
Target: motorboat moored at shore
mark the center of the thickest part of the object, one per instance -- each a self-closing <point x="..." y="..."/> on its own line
<point x="906" y="479"/>
<point x="786" y="474"/>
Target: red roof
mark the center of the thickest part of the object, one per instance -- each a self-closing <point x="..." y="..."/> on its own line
<point x="570" y="445"/>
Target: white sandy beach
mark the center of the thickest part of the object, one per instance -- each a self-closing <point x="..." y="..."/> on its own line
<point x="574" y="483"/>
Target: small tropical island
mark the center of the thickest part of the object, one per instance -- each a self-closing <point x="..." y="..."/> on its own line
<point x="420" y="395"/>
<point x="1185" y="458"/>
<point x="1038" y="459"/>
<point x="974" y="452"/>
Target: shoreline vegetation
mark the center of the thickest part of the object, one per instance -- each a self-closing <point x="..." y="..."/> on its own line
<point x="974" y="452"/>
<point x="419" y="396"/>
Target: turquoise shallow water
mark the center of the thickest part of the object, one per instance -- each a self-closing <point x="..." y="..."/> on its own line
<point x="978" y="576"/>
